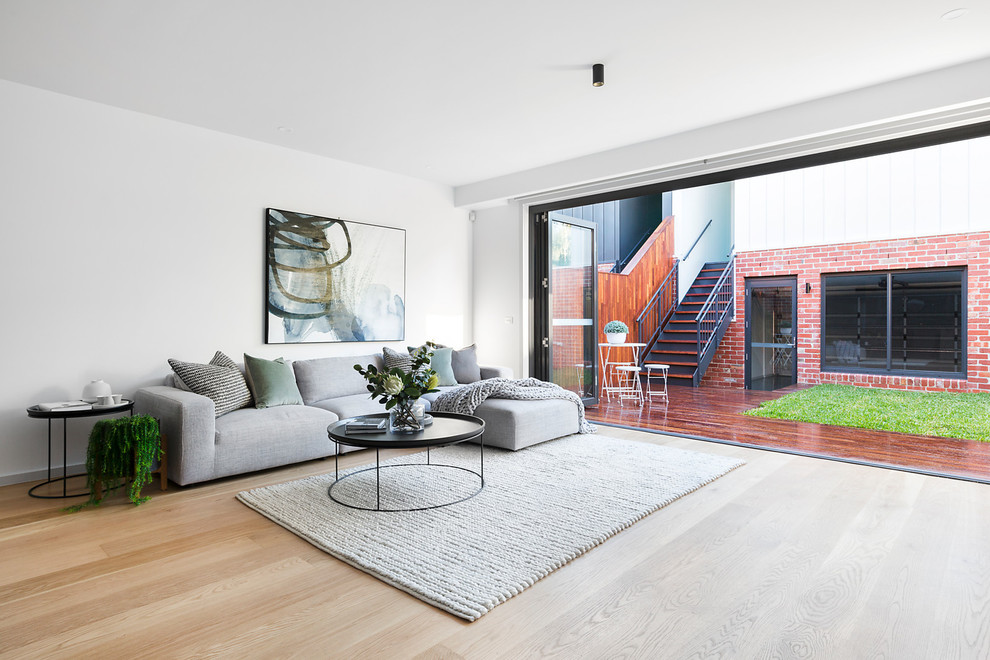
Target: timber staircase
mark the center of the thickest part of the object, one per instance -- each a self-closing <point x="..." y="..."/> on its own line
<point x="678" y="343"/>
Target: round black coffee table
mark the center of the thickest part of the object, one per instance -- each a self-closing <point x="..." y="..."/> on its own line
<point x="446" y="429"/>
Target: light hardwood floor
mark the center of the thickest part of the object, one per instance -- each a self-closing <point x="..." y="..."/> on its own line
<point x="785" y="557"/>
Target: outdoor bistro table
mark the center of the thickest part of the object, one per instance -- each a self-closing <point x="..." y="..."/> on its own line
<point x="609" y="383"/>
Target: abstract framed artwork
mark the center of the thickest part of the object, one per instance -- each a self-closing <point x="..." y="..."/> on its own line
<point x="333" y="280"/>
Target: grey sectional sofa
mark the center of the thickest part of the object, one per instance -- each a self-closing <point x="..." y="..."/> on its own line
<point x="202" y="446"/>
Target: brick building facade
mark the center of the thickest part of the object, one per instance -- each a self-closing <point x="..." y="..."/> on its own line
<point x="808" y="264"/>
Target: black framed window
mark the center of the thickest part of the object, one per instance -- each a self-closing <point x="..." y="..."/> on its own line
<point x="900" y="322"/>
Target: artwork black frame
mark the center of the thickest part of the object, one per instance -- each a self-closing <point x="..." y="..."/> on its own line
<point x="329" y="280"/>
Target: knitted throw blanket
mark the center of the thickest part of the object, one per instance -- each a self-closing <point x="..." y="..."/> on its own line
<point x="466" y="398"/>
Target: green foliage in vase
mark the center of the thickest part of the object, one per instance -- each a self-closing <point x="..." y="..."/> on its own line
<point x="120" y="449"/>
<point x="396" y="387"/>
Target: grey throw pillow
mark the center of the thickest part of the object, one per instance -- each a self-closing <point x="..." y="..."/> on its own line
<point x="219" y="380"/>
<point x="465" y="364"/>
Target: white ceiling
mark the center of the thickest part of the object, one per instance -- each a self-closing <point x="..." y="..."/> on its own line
<point x="459" y="91"/>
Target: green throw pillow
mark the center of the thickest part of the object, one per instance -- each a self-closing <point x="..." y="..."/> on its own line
<point x="272" y="382"/>
<point x="441" y="363"/>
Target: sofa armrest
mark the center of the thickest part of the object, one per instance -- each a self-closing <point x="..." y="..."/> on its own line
<point x="496" y="372"/>
<point x="188" y="421"/>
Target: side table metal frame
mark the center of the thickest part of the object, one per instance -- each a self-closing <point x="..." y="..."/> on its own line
<point x="127" y="406"/>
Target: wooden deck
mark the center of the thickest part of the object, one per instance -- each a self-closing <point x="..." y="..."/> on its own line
<point x="715" y="414"/>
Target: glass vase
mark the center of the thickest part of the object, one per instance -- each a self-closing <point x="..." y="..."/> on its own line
<point x="406" y="417"/>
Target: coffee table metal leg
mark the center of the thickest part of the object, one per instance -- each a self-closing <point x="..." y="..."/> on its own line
<point x="378" y="479"/>
<point x="482" y="461"/>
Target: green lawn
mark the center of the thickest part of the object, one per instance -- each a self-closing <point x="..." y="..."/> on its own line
<point x="942" y="414"/>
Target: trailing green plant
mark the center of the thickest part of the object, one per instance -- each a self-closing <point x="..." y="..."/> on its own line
<point x="615" y="326"/>
<point x="120" y="449"/>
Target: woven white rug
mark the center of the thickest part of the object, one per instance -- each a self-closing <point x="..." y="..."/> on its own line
<point x="541" y="507"/>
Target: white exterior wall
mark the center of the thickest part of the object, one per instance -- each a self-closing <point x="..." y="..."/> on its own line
<point x="944" y="189"/>
<point x="692" y="209"/>
<point x="131" y="239"/>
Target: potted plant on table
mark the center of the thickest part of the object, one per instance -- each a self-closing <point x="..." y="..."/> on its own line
<point x="399" y="390"/>
<point x="615" y="332"/>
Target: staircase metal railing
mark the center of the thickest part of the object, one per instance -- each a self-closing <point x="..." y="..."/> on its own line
<point x="697" y="240"/>
<point x="713" y="319"/>
<point x="650" y="321"/>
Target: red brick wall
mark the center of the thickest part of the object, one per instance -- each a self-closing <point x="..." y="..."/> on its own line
<point x="569" y="286"/>
<point x="808" y="263"/>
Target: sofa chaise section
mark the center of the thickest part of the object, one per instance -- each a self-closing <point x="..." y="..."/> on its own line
<point x="513" y="424"/>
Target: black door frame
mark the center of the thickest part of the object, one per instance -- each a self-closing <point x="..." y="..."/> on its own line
<point x="541" y="303"/>
<point x="769" y="283"/>
<point x="539" y="297"/>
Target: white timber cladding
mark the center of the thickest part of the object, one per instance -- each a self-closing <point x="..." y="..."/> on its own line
<point x="943" y="189"/>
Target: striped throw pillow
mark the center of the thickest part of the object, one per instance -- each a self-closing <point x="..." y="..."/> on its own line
<point x="220" y="380"/>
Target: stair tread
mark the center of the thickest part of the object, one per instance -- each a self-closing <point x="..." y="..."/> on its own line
<point x="681" y="354"/>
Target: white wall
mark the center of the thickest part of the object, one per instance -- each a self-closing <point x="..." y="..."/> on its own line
<point x="692" y="209"/>
<point x="501" y="294"/>
<point x="130" y="239"/>
<point x="923" y="192"/>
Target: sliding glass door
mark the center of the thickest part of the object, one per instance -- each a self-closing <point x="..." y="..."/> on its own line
<point x="565" y="304"/>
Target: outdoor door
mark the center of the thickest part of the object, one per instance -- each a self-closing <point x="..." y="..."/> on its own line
<point x="771" y="333"/>
<point x="568" y="342"/>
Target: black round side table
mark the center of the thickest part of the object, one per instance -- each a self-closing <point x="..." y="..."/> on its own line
<point x="126" y="405"/>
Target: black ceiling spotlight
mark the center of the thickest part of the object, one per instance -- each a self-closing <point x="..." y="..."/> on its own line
<point x="598" y="75"/>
